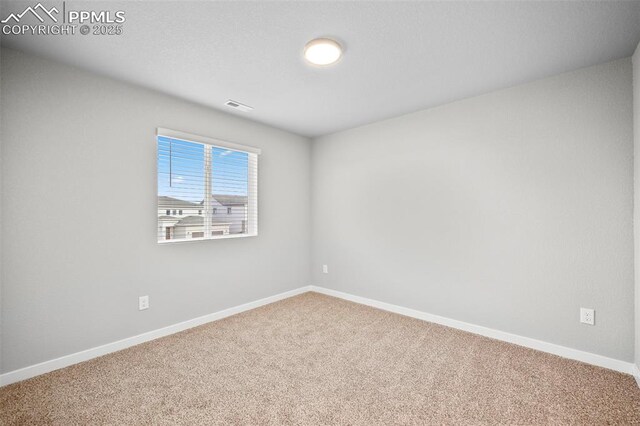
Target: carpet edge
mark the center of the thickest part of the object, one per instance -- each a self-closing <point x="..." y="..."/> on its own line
<point x="87" y="354"/>
<point x="528" y="342"/>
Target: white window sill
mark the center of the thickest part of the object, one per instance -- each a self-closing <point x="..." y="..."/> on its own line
<point x="217" y="237"/>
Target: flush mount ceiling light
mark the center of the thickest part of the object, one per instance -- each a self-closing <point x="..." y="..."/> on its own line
<point x="322" y="51"/>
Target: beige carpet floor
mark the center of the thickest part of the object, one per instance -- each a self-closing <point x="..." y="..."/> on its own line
<point x="313" y="359"/>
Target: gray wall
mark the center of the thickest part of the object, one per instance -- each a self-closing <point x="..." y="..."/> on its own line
<point x="74" y="143"/>
<point x="636" y="189"/>
<point x="510" y="210"/>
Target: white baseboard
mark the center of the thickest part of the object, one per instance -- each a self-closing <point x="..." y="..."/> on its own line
<point x="636" y="374"/>
<point x="575" y="354"/>
<point x="67" y="360"/>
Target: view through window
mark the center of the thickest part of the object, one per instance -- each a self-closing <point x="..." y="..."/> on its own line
<point x="205" y="191"/>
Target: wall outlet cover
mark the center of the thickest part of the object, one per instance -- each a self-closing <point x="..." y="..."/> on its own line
<point x="587" y="316"/>
<point x="143" y="303"/>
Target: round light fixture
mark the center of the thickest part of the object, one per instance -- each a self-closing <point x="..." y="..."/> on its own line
<point x="322" y="51"/>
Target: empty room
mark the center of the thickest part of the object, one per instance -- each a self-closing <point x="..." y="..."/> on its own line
<point x="319" y="212"/>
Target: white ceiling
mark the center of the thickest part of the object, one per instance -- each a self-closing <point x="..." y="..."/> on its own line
<point x="400" y="57"/>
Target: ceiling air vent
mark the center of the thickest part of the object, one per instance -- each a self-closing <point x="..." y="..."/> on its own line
<point x="238" y="106"/>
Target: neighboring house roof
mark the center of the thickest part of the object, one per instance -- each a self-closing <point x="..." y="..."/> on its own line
<point x="231" y="200"/>
<point x="225" y="200"/>
<point x="199" y="221"/>
<point x="170" y="202"/>
<point x="191" y="221"/>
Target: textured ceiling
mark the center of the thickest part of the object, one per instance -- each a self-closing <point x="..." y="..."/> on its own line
<point x="400" y="57"/>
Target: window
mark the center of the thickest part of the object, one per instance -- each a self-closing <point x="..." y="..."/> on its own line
<point x="197" y="173"/>
<point x="168" y="212"/>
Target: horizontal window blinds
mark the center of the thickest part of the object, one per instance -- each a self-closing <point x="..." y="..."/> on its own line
<point x="205" y="191"/>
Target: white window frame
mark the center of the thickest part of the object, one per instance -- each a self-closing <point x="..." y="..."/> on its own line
<point x="252" y="183"/>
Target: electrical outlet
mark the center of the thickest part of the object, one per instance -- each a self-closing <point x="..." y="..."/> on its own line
<point x="325" y="269"/>
<point x="587" y="316"/>
<point x="143" y="303"/>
